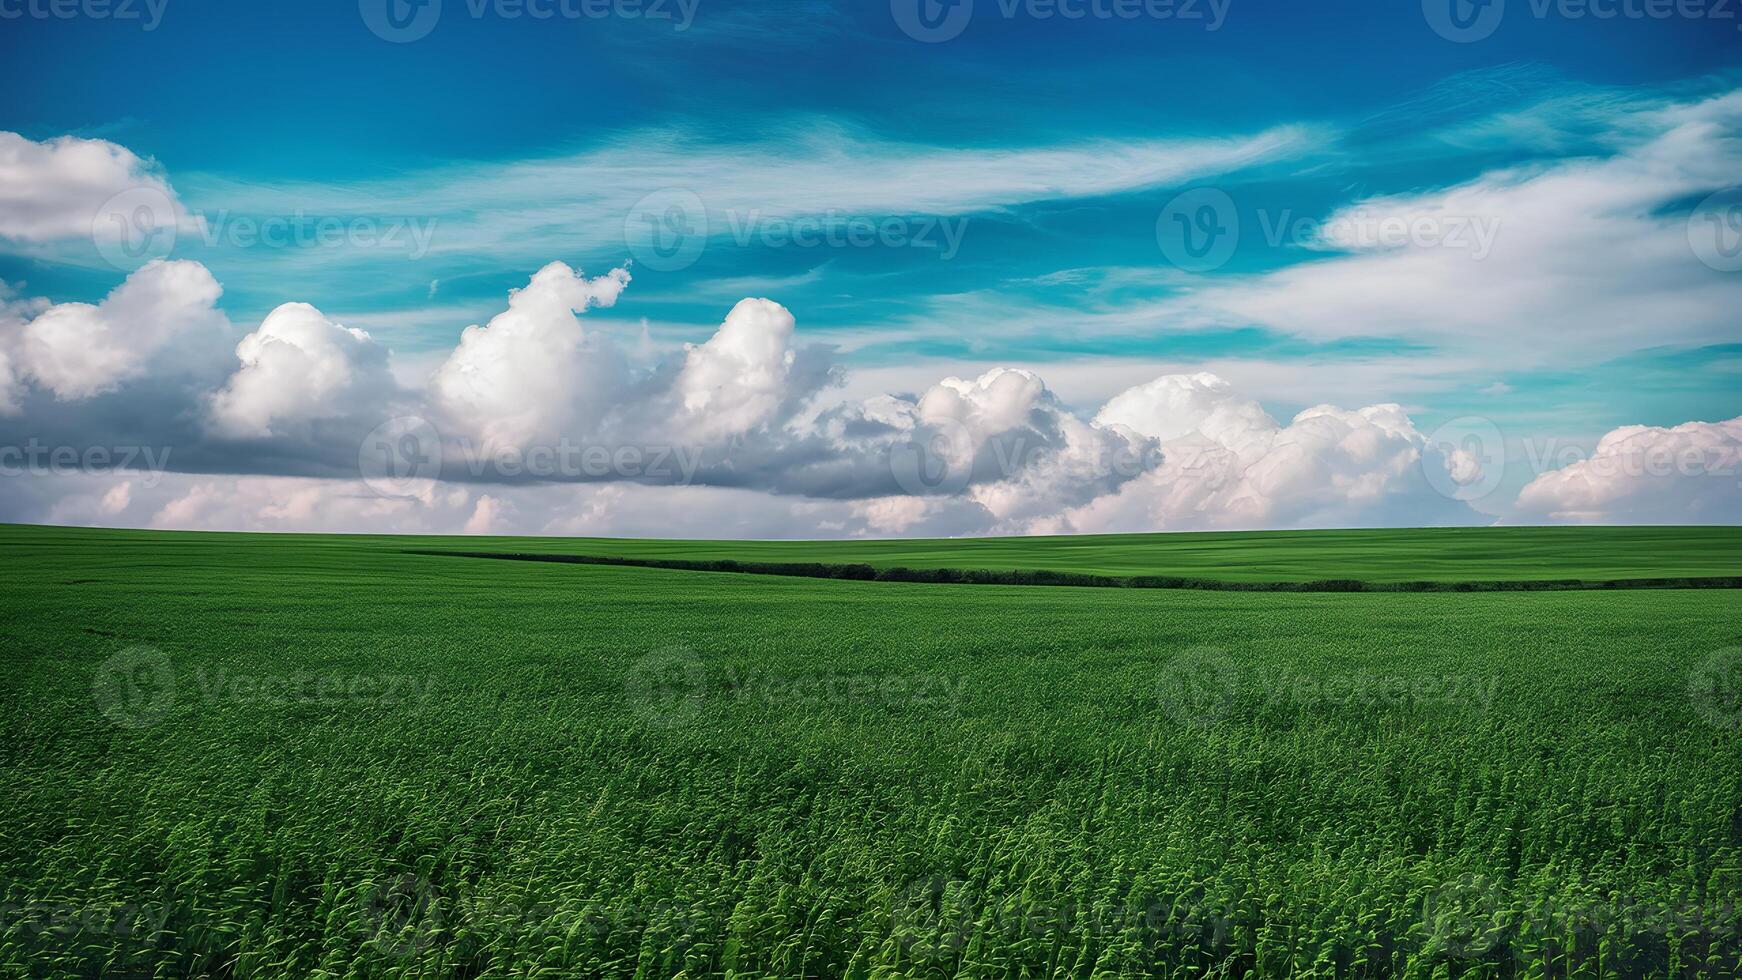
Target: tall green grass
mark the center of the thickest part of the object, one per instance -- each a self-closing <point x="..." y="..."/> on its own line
<point x="279" y="756"/>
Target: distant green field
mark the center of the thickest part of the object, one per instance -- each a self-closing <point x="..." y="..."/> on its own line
<point x="1460" y="554"/>
<point x="1431" y="554"/>
<point x="267" y="756"/>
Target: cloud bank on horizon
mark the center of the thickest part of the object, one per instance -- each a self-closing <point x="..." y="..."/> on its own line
<point x="149" y="406"/>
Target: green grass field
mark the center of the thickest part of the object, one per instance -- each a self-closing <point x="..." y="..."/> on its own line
<point x="268" y="756"/>
<point x="1434" y="554"/>
<point x="1429" y="554"/>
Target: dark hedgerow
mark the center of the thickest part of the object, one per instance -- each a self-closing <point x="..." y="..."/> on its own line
<point x="999" y="576"/>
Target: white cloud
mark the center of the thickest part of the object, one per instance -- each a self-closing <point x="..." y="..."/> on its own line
<point x="66" y="188"/>
<point x="280" y="503"/>
<point x="533" y="373"/>
<point x="505" y="210"/>
<point x="300" y="365"/>
<point x="10" y="385"/>
<point x="1588" y="257"/>
<point x="78" y="350"/>
<point x="534" y="379"/>
<point x="1638" y="474"/>
<point x="1028" y="455"/>
<point x="256" y="503"/>
<point x="1228" y="465"/>
<point x="14" y="313"/>
<point x="741" y="377"/>
<point x="1586" y="251"/>
<point x="117" y="498"/>
<point x="731" y="513"/>
<point x="1013" y="457"/>
<point x="1028" y="463"/>
<point x="1176" y="405"/>
<point x="489" y="516"/>
<point x="892" y="515"/>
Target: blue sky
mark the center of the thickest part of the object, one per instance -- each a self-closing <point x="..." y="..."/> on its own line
<point x="1013" y="186"/>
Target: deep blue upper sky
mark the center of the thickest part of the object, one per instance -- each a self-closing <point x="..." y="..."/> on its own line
<point x="276" y="106"/>
<point x="278" y="88"/>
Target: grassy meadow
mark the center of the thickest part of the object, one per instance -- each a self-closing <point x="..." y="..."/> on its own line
<point x="325" y="756"/>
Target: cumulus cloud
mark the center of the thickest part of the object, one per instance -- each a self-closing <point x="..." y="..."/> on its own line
<point x="533" y="373"/>
<point x="740" y="378"/>
<point x="184" y="501"/>
<point x="893" y="515"/>
<point x="489" y="516"/>
<point x="78" y="350"/>
<point x="1026" y="454"/>
<point x="280" y="503"/>
<point x="1174" y="406"/>
<point x="1575" y="253"/>
<point x="995" y="453"/>
<point x="724" y="411"/>
<point x="1640" y="474"/>
<point x="72" y="188"/>
<point x="9" y="385"/>
<point x="117" y="498"/>
<point x="299" y="365"/>
<point x="15" y="311"/>
<point x="1228" y="465"/>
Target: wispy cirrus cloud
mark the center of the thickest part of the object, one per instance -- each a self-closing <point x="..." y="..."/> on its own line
<point x="579" y="203"/>
<point x="1585" y="253"/>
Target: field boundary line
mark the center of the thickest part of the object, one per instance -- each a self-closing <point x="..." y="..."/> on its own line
<point x="1043" y="577"/>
